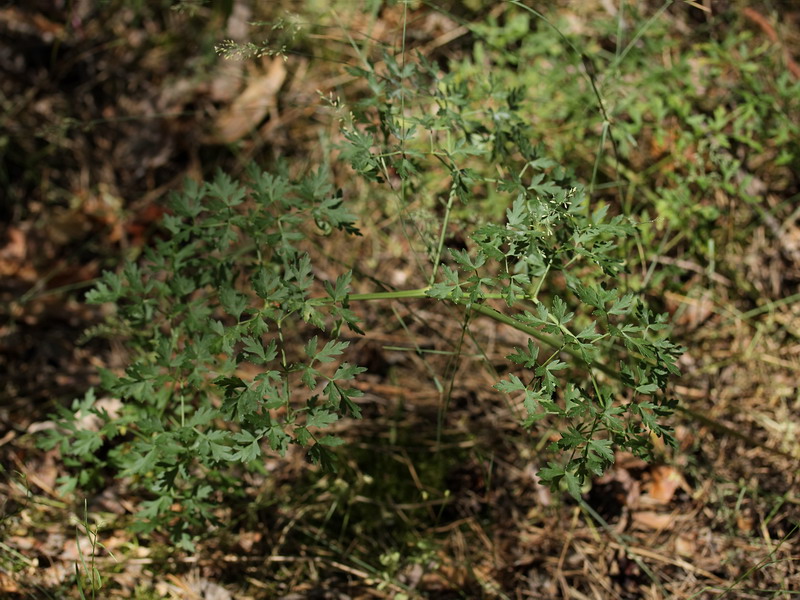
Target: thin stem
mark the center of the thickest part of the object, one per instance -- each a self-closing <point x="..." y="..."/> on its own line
<point x="535" y="297"/>
<point x="442" y="235"/>
<point x="555" y="343"/>
<point x="620" y="57"/>
<point x="597" y="163"/>
<point x="486" y="311"/>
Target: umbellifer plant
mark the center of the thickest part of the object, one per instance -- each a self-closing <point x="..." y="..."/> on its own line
<point x="232" y="279"/>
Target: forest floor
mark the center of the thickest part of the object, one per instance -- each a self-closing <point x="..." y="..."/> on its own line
<point x="105" y="112"/>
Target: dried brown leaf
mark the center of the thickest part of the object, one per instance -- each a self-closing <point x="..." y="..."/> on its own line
<point x="252" y="105"/>
<point x="649" y="519"/>
<point x="665" y="481"/>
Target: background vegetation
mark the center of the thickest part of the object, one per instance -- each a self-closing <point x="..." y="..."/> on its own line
<point x="682" y="116"/>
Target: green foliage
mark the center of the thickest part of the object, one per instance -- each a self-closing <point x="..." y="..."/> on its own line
<point x="219" y="292"/>
<point x="692" y="123"/>
<point x="231" y="285"/>
<point x="551" y="229"/>
<point x="91" y="576"/>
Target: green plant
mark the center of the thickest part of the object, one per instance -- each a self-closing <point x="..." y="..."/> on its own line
<point x="688" y="110"/>
<point x="11" y="560"/>
<point x="91" y="574"/>
<point x="233" y="284"/>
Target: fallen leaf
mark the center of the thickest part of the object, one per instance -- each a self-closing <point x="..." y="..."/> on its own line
<point x="623" y="480"/>
<point x="7" y="585"/>
<point x="744" y="523"/>
<point x="684" y="545"/>
<point x="77" y="549"/>
<point x="251" y="106"/>
<point x="31" y="24"/>
<point x="194" y="587"/>
<point x="653" y="520"/>
<point x="91" y="422"/>
<point x="13" y="256"/>
<point x="247" y="539"/>
<point x="9" y="436"/>
<point x="665" y="481"/>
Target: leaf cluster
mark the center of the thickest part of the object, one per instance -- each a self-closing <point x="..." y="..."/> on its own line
<point x="556" y="259"/>
<point x="217" y="299"/>
<point x="221" y="292"/>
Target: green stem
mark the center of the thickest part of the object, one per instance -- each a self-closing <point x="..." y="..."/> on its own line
<point x="553" y="342"/>
<point x="486" y="311"/>
<point x="550" y="340"/>
<point x="396" y="295"/>
<point x="541" y="281"/>
<point x="442" y="236"/>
